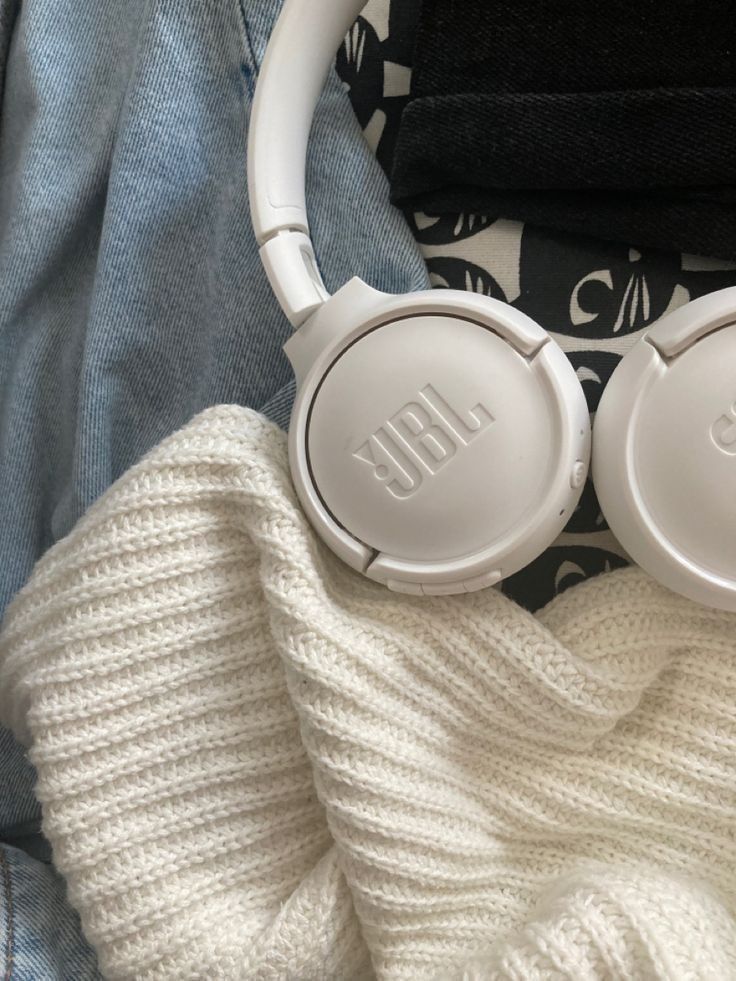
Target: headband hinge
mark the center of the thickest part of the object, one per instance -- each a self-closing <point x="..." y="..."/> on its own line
<point x="291" y="265"/>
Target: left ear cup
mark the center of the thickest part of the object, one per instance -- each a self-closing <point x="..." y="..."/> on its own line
<point x="440" y="445"/>
<point x="664" y="451"/>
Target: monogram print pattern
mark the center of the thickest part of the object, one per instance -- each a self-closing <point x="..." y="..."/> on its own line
<point x="595" y="298"/>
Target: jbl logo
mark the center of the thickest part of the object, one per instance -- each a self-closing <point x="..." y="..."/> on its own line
<point x="724" y="432"/>
<point x="419" y="440"/>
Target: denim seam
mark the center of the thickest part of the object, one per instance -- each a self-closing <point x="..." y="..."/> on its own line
<point x="11" y="23"/>
<point x="246" y="37"/>
<point x="136" y="68"/>
<point x="9" y="937"/>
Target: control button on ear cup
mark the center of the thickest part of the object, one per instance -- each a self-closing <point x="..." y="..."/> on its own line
<point x="664" y="453"/>
<point x="446" y="451"/>
<point x="578" y="475"/>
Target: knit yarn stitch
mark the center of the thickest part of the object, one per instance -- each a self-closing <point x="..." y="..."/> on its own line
<point x="255" y="763"/>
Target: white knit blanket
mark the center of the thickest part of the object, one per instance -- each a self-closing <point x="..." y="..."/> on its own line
<point x="254" y="763"/>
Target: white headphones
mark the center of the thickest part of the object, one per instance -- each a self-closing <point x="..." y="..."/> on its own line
<point x="440" y="441"/>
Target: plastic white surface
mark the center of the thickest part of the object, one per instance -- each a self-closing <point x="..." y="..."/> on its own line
<point x="680" y="329"/>
<point x="298" y="58"/>
<point x="664" y="461"/>
<point x="357" y="307"/>
<point x="466" y="446"/>
<point x="299" y="55"/>
<point x="286" y="258"/>
<point x="482" y="446"/>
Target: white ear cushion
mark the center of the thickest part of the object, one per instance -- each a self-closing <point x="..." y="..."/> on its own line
<point x="664" y="458"/>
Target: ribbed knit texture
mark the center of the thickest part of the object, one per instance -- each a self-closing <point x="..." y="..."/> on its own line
<point x="254" y="763"/>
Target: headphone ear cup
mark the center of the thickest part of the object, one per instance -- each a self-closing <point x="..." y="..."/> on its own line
<point x="664" y="451"/>
<point x="439" y="445"/>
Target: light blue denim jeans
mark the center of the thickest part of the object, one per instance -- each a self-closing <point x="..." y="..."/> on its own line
<point x="40" y="936"/>
<point x="131" y="294"/>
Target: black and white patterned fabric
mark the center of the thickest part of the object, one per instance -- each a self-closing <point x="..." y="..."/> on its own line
<point x="595" y="298"/>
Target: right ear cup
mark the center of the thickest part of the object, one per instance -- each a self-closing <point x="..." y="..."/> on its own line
<point x="664" y="451"/>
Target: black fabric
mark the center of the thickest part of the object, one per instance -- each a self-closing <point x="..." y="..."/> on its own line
<point x="615" y="119"/>
<point x="362" y="62"/>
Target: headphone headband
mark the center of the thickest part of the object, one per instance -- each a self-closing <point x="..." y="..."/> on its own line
<point x="298" y="58"/>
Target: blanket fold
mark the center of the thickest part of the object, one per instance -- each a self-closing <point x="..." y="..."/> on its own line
<point x="254" y="763"/>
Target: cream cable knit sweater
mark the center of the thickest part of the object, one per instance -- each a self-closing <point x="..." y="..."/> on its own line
<point x="254" y="763"/>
